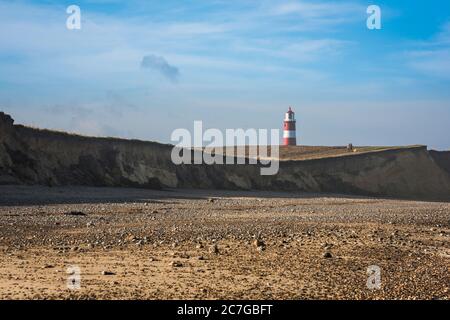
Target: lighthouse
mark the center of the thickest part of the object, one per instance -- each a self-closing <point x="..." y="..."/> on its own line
<point x="289" y="134"/>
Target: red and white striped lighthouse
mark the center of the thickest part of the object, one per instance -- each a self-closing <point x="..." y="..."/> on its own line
<point x="289" y="135"/>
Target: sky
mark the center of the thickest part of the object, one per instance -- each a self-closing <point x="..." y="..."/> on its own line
<point x="141" y="69"/>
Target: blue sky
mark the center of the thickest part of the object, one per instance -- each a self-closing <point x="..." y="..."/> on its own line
<point x="140" y="69"/>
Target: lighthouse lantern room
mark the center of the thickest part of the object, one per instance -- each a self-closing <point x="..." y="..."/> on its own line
<point x="289" y="134"/>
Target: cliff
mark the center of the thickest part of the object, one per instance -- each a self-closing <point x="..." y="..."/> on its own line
<point x="33" y="156"/>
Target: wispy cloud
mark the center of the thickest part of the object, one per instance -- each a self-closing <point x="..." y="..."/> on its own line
<point x="315" y="9"/>
<point x="302" y="50"/>
<point x="432" y="58"/>
<point x="434" y="63"/>
<point x="93" y="119"/>
<point x="316" y="15"/>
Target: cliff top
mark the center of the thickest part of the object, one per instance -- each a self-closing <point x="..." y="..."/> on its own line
<point x="287" y="153"/>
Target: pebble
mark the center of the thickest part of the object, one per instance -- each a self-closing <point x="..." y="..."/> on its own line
<point x="176" y="264"/>
<point x="213" y="249"/>
<point x="75" y="213"/>
<point x="107" y="273"/>
<point x="258" y="243"/>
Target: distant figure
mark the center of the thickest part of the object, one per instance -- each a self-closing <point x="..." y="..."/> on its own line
<point x="350" y="147"/>
<point x="289" y="134"/>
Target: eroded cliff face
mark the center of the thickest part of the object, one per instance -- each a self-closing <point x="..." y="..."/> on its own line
<point x="31" y="156"/>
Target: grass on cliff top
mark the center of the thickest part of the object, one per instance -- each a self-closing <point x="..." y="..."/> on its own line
<point x="300" y="152"/>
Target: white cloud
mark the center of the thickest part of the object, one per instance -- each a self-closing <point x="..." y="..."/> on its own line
<point x="431" y="62"/>
<point x="315" y="9"/>
<point x="318" y="15"/>
<point x="432" y="58"/>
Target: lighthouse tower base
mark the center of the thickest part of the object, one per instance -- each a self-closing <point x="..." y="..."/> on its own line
<point x="289" y="141"/>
